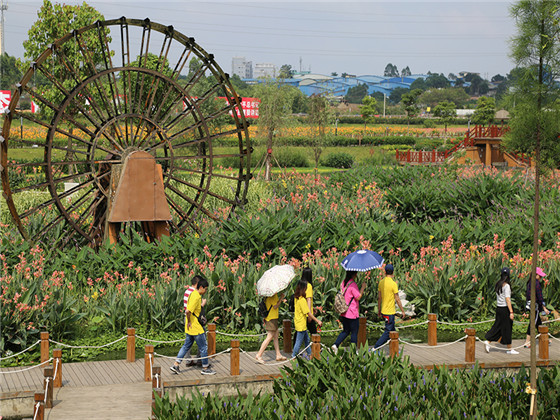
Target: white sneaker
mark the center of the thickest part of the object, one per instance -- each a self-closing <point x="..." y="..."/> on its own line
<point x="487" y="346"/>
<point x="334" y="349"/>
<point x="512" y="351"/>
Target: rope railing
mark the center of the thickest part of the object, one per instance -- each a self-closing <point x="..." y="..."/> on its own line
<point x="160" y="342"/>
<point x="21" y="352"/>
<point x="36" y="410"/>
<point x="47" y="380"/>
<point x="465" y="323"/>
<point x="242" y="335"/>
<point x="400" y="327"/>
<point x="89" y="347"/>
<point x="192" y="358"/>
<point x="28" y="368"/>
<point x="278" y="363"/>
<point x="502" y="348"/>
<point x="431" y="347"/>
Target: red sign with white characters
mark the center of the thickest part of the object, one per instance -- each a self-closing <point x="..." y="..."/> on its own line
<point x="250" y="107"/>
<point x="5" y="99"/>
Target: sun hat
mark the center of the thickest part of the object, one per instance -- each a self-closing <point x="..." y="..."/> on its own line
<point x="389" y="268"/>
<point x="540" y="272"/>
<point x="505" y="270"/>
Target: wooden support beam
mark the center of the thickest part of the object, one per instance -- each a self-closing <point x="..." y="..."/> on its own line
<point x="131" y="345"/>
<point x="211" y="339"/>
<point x="543" y="342"/>
<point x="470" y="345"/>
<point x="393" y="343"/>
<point x="316" y="346"/>
<point x="362" y="331"/>
<point x="48" y="386"/>
<point x="234" y="358"/>
<point x="57" y="363"/>
<point x="44" y="346"/>
<point x="148" y="362"/>
<point x="432" y="330"/>
<point x="287" y="334"/>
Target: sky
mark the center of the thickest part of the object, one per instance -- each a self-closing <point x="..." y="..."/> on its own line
<point x="358" y="38"/>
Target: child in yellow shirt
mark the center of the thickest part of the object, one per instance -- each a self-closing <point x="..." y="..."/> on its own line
<point x="301" y="317"/>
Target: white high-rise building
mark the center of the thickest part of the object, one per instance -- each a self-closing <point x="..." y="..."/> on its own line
<point x="241" y="67"/>
<point x="264" y="70"/>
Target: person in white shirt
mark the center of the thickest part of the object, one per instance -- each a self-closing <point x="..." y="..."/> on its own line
<point x="503" y="324"/>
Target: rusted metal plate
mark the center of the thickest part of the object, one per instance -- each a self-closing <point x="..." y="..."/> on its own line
<point x="140" y="195"/>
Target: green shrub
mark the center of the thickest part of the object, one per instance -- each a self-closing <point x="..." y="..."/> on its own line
<point x="289" y="158"/>
<point x="429" y="123"/>
<point x="367" y="385"/>
<point x="339" y="160"/>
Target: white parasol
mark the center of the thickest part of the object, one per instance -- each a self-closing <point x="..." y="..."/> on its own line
<point x="275" y="280"/>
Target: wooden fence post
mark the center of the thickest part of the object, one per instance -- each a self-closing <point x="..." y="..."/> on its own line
<point x="287" y="333"/>
<point x="48" y="386"/>
<point x="211" y="339"/>
<point x="38" y="407"/>
<point x="148" y="362"/>
<point x="394" y="343"/>
<point x="159" y="393"/>
<point x="44" y="346"/>
<point x="57" y="363"/>
<point x="316" y="346"/>
<point x="543" y="342"/>
<point x="470" y="345"/>
<point x="156" y="377"/>
<point x="234" y="358"/>
<point x="131" y="345"/>
<point x="362" y="331"/>
<point x="432" y="330"/>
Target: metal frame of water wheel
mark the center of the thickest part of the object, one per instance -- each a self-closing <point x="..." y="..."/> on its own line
<point x="108" y="128"/>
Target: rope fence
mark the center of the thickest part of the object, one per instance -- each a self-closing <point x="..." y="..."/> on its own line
<point x="431" y="347"/>
<point x="28" y="368"/>
<point x="21" y="352"/>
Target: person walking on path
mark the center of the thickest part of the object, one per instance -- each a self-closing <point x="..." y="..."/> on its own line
<point x="539" y="304"/>
<point x="503" y="324"/>
<point x="194" y="331"/>
<point x="188" y="291"/>
<point x="307" y="276"/>
<point x="271" y="326"/>
<point x="388" y="294"/>
<point x="301" y="318"/>
<point x="350" y="318"/>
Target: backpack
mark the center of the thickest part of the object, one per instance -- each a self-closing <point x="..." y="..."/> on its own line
<point x="340" y="305"/>
<point x="292" y="303"/>
<point x="263" y="310"/>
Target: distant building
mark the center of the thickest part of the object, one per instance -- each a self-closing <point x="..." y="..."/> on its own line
<point x="264" y="70"/>
<point x="242" y="67"/>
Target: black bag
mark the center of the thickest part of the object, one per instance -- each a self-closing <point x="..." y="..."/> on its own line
<point x="201" y="319"/>
<point x="292" y="303"/>
<point x="263" y="310"/>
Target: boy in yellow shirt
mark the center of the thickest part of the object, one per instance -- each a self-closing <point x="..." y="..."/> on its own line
<point x="194" y="331"/>
<point x="388" y="295"/>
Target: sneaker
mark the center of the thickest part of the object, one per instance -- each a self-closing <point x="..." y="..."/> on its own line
<point x="334" y="349"/>
<point x="208" y="371"/>
<point x="487" y="346"/>
<point x="512" y="351"/>
<point x="175" y="369"/>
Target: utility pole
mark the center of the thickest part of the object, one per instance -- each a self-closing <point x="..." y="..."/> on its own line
<point x="3" y="6"/>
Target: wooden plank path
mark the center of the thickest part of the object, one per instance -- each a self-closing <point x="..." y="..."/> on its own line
<point x="116" y="388"/>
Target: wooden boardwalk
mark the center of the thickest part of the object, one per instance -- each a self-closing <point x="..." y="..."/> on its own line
<point x="116" y="389"/>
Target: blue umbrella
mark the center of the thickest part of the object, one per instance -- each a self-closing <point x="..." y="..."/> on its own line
<point x="362" y="260"/>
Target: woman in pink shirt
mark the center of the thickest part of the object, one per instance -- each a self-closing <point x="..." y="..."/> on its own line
<point x="350" y="318"/>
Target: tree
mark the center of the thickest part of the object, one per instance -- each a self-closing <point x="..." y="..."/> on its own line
<point x="419" y="83"/>
<point x="285" y="72"/>
<point x="433" y="97"/>
<point x="368" y="109"/>
<point x="498" y="78"/>
<point x="356" y="93"/>
<point x="535" y="123"/>
<point x="485" y="111"/>
<point x="409" y="101"/>
<point x="396" y="95"/>
<point x="406" y="72"/>
<point x="55" y="21"/>
<point x="10" y="74"/>
<point x="437" y="81"/>
<point x="391" y="71"/>
<point x="274" y="112"/>
<point x="445" y="111"/>
<point x="300" y="103"/>
<point x="475" y="83"/>
<point x="320" y="116"/>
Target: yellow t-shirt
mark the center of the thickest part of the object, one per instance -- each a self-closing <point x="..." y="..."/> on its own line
<point x="300" y="314"/>
<point x="270" y="302"/>
<point x="309" y="293"/>
<point x="194" y="306"/>
<point x="387" y="289"/>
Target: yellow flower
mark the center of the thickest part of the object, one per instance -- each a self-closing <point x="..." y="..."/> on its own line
<point x="95" y="296"/>
<point x="431" y="237"/>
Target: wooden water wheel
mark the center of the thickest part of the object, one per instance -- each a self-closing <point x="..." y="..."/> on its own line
<point x="131" y="96"/>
